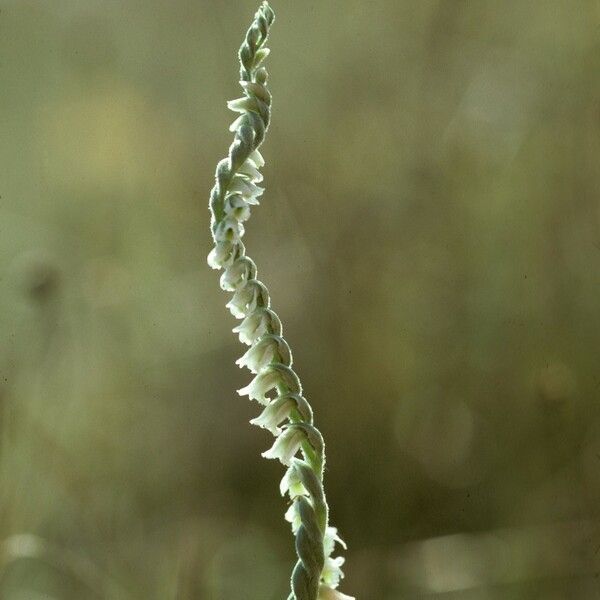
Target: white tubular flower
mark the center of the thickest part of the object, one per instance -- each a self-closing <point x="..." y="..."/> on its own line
<point x="236" y="207"/>
<point x="292" y="516"/>
<point x="268" y="349"/>
<point x="272" y="377"/>
<point x="286" y="446"/>
<point x="275" y="413"/>
<point x="332" y="571"/>
<point x="251" y="171"/>
<point x="229" y="230"/>
<point x="242" y="105"/>
<point x="237" y="274"/>
<point x="292" y="484"/>
<point x="280" y="409"/>
<point x="248" y="298"/>
<point x="328" y="593"/>
<point x="248" y="190"/>
<point x="331" y="538"/>
<point x="224" y="253"/>
<point x="257" y="324"/>
<point x="257" y="158"/>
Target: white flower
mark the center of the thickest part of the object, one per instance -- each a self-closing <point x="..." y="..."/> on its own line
<point x="269" y="348"/>
<point x="255" y="325"/>
<point x="251" y="171"/>
<point x="237" y="274"/>
<point x="275" y="413"/>
<point x="229" y="230"/>
<point x="274" y="376"/>
<point x="224" y="253"/>
<point x="292" y="483"/>
<point x="236" y="207"/>
<point x="332" y="571"/>
<point x="241" y="185"/>
<point x="286" y="445"/>
<point x="328" y="593"/>
<point x="331" y="538"/>
<point x="292" y="516"/>
<point x="257" y="158"/>
<point x="248" y="298"/>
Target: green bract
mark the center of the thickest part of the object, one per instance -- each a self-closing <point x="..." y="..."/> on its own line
<point x="287" y="414"/>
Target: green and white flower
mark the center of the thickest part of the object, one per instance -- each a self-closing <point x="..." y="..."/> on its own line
<point x="286" y="446"/>
<point x="229" y="230"/>
<point x="291" y="484"/>
<point x="236" y="207"/>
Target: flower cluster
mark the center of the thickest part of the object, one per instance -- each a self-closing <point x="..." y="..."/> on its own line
<point x="286" y="414"/>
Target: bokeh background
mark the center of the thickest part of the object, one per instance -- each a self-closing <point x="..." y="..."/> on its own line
<point x="431" y="237"/>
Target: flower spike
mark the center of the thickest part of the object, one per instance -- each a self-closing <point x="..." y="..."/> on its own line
<point x="286" y="414"/>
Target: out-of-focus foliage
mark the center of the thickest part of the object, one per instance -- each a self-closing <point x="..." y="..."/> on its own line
<point x="431" y="238"/>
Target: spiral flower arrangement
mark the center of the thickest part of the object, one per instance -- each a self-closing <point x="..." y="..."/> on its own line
<point x="276" y="386"/>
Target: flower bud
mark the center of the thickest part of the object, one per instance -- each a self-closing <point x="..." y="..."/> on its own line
<point x="242" y="105"/>
<point x="261" y="76"/>
<point x="261" y="55"/>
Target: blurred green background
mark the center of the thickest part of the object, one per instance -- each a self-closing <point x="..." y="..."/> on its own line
<point x="431" y="238"/>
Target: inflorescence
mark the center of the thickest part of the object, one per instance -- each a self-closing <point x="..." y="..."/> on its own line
<point x="286" y="414"/>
